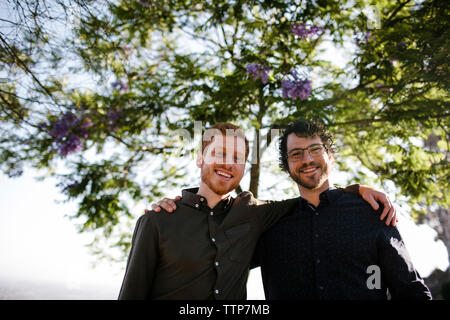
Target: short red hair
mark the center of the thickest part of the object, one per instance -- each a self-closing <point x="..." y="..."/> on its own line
<point x="225" y="128"/>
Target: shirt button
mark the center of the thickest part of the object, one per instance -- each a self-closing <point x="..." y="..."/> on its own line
<point x="196" y="205"/>
<point x="213" y="239"/>
<point x="211" y="213"/>
<point x="216" y="291"/>
<point x="217" y="263"/>
<point x="318" y="260"/>
<point x="201" y="199"/>
<point x="317" y="213"/>
<point x="320" y="288"/>
<point x="316" y="235"/>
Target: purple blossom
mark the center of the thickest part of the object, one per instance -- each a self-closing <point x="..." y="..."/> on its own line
<point x="87" y="123"/>
<point x="362" y="39"/>
<point x="258" y="71"/>
<point x="67" y="132"/>
<point x="296" y="88"/>
<point x="147" y="3"/>
<point x="70" y="186"/>
<point x="369" y="36"/>
<point x="42" y="126"/>
<point x="14" y="172"/>
<point x="302" y="30"/>
<point x="62" y="126"/>
<point x="383" y="88"/>
<point x="119" y="86"/>
<point x="71" y="144"/>
<point x="402" y="45"/>
<point x="113" y="117"/>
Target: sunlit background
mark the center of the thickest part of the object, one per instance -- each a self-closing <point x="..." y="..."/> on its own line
<point x="43" y="256"/>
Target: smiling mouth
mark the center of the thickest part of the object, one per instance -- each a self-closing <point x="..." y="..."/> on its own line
<point x="310" y="170"/>
<point x="223" y="174"/>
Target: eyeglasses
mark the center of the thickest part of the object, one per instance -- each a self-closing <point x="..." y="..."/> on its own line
<point x="314" y="150"/>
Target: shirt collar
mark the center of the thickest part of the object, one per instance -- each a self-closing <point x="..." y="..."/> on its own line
<point x="190" y="198"/>
<point x="328" y="196"/>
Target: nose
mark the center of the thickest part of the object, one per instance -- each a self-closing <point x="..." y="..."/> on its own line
<point x="228" y="165"/>
<point x="306" y="157"/>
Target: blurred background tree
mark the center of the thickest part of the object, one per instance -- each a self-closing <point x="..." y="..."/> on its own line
<point x="95" y="93"/>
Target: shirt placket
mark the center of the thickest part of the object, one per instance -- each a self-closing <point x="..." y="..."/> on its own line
<point x="316" y="252"/>
<point x="217" y="241"/>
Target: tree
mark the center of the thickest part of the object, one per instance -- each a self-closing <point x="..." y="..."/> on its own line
<point x="158" y="66"/>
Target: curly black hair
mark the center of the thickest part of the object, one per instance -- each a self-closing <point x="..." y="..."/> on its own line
<point x="303" y="128"/>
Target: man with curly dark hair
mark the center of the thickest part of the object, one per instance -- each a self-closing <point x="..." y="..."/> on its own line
<point x="331" y="245"/>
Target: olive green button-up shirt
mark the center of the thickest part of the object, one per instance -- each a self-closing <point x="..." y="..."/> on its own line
<point x="198" y="252"/>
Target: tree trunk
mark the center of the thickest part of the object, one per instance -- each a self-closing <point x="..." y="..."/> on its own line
<point x="256" y="152"/>
<point x="439" y="220"/>
<point x="254" y="179"/>
<point x="255" y="168"/>
<point x="444" y="227"/>
<point x="439" y="281"/>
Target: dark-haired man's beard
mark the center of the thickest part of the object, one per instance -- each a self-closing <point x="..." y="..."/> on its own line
<point x="310" y="180"/>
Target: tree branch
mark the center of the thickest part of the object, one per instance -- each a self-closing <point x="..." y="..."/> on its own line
<point x="394" y="13"/>
<point x="369" y="121"/>
<point x="26" y="69"/>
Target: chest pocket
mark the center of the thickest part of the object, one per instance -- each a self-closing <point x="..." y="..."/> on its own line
<point x="239" y="242"/>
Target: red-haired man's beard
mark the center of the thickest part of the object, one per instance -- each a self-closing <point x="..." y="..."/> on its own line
<point x="221" y="179"/>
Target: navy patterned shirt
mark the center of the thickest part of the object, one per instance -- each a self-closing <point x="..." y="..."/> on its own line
<point x="339" y="250"/>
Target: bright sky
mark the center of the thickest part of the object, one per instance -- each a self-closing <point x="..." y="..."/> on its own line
<point x="37" y="241"/>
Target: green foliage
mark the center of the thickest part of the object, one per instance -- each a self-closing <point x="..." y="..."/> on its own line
<point x="138" y="70"/>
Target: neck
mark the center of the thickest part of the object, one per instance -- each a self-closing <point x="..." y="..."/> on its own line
<point x="211" y="197"/>
<point x="312" y="195"/>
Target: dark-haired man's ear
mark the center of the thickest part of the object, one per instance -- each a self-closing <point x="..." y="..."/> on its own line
<point x="332" y="159"/>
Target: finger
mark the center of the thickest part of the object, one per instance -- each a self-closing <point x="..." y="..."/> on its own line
<point x="385" y="211"/>
<point x="392" y="212"/>
<point x="178" y="198"/>
<point x="166" y="205"/>
<point x="155" y="208"/>
<point x="173" y="205"/>
<point x="170" y="205"/>
<point x="170" y="202"/>
<point x="373" y="203"/>
<point x="390" y="216"/>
